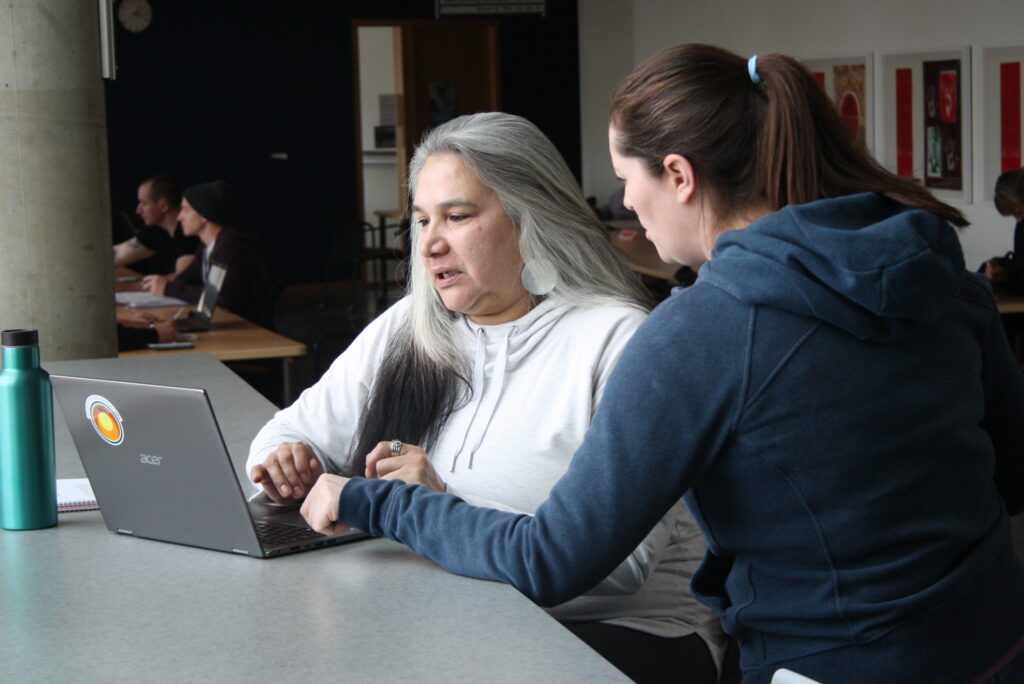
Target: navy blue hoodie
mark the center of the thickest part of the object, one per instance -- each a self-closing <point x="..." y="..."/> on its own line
<point x="837" y="401"/>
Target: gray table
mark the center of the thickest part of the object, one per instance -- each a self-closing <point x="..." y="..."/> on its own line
<point x="78" y="603"/>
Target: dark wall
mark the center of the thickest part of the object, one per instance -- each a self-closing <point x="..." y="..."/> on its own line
<point x="213" y="87"/>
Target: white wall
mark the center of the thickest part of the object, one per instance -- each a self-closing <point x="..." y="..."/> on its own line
<point x="376" y="78"/>
<point x="606" y="56"/>
<point x="807" y="28"/>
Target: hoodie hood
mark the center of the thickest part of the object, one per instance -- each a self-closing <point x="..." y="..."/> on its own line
<point x="863" y="263"/>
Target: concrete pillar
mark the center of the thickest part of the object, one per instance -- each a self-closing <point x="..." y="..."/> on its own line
<point x="55" y="236"/>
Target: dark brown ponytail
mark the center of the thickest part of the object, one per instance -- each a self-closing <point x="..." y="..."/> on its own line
<point x="771" y="142"/>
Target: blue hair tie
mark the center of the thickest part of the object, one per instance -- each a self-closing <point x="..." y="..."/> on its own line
<point x="752" y="70"/>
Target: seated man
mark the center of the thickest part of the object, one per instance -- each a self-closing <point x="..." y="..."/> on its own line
<point x="205" y="213"/>
<point x="160" y="246"/>
<point x="1007" y="272"/>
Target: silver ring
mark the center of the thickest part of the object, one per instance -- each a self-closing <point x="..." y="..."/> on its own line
<point x="396" y="448"/>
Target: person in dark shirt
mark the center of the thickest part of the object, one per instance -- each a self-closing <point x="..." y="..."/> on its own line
<point x="160" y="246"/>
<point x="206" y="212"/>
<point x="1007" y="273"/>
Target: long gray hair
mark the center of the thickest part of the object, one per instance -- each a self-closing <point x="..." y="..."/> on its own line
<point x="424" y="375"/>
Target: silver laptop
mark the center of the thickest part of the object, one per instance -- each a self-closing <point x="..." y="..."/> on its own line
<point x="201" y="319"/>
<point x="157" y="462"/>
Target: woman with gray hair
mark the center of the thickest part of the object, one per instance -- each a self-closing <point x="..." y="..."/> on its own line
<point x="483" y="380"/>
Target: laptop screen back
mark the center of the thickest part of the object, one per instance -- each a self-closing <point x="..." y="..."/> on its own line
<point x="211" y="290"/>
<point x="157" y="462"/>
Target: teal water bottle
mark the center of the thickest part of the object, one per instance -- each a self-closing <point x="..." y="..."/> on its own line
<point x="28" y="485"/>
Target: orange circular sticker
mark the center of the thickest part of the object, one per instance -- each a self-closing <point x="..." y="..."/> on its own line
<point x="105" y="419"/>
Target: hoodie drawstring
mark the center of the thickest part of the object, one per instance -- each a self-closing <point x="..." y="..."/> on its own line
<point x="489" y="396"/>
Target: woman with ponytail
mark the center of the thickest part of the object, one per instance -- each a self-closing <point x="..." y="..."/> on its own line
<point x="834" y="398"/>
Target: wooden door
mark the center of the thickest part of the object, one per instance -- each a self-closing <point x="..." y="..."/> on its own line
<point x="443" y="68"/>
<point x="448" y="68"/>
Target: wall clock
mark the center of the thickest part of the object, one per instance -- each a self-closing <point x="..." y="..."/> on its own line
<point x="135" y="15"/>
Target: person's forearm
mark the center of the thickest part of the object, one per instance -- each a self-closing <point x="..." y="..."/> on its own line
<point x="186" y="291"/>
<point x="130" y="251"/>
<point x="555" y="556"/>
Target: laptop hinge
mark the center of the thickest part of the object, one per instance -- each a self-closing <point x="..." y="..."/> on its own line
<point x="120" y="531"/>
<point x="240" y="551"/>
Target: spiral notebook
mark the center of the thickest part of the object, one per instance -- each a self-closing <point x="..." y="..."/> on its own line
<point x="75" y="495"/>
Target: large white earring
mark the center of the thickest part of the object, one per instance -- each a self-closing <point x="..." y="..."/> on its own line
<point x="539" y="276"/>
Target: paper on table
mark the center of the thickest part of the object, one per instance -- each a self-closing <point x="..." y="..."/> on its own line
<point x="75" y="495"/>
<point x="141" y="300"/>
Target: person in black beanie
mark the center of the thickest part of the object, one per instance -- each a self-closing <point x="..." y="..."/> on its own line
<point x="207" y="212"/>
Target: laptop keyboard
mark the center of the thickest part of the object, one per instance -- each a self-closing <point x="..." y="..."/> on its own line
<point x="274" y="534"/>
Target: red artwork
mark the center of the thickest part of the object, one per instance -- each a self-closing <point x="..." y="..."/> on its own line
<point x="819" y="76"/>
<point x="850" y="95"/>
<point x="849" y="112"/>
<point x="1009" y="116"/>
<point x="943" y="146"/>
<point x="948" y="90"/>
<point x="904" y="123"/>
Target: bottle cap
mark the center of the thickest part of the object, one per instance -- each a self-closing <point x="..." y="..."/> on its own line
<point x="20" y="338"/>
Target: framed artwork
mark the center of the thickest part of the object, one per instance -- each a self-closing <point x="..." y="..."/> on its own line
<point x="849" y="82"/>
<point x="926" y="117"/>
<point x="1003" y="79"/>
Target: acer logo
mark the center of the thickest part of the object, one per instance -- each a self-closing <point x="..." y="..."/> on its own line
<point x="149" y="459"/>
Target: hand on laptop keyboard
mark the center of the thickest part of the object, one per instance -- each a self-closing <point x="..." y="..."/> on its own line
<point x="320" y="509"/>
<point x="288" y="473"/>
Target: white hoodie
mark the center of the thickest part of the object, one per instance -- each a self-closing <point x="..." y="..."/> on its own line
<point x="536" y="385"/>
